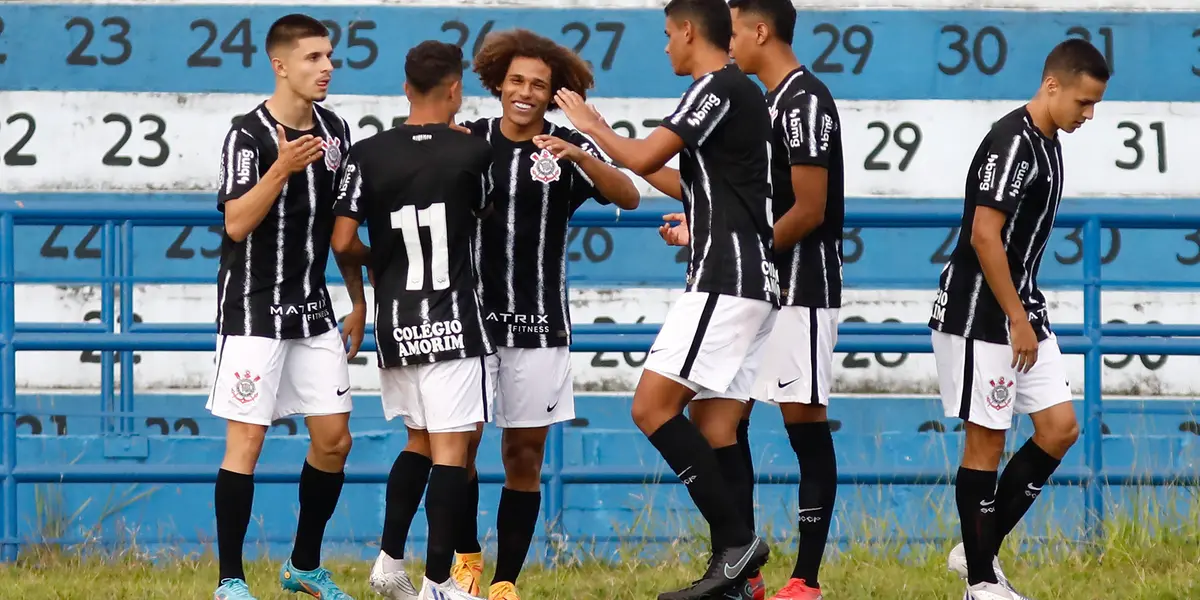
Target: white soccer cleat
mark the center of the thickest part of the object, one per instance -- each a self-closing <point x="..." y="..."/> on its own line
<point x="956" y="563"/>
<point x="447" y="590"/>
<point x="988" y="591"/>
<point x="393" y="585"/>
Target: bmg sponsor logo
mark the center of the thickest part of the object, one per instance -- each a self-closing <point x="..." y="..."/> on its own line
<point x="710" y="102"/>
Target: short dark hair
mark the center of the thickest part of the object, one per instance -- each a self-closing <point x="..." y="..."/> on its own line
<point x="1076" y="57"/>
<point x="711" y="16"/>
<point x="567" y="69"/>
<point x="289" y="29"/>
<point x="429" y="63"/>
<point x="779" y="15"/>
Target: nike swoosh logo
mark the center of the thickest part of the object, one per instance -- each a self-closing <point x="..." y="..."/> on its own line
<point x="552" y="407"/>
<point x="343" y="392"/>
<point x="1033" y="489"/>
<point x="804" y="510"/>
<point x="986" y="502"/>
<point x="783" y="385"/>
<point x="737" y="567"/>
<point x="652" y="351"/>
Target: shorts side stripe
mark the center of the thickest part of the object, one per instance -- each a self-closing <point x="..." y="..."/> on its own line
<point x="968" y="380"/>
<point x="710" y="306"/>
<point x="815" y="399"/>
<point x="484" y="386"/>
<point x="217" y="375"/>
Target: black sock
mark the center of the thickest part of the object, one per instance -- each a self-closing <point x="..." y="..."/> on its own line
<point x="319" y="492"/>
<point x="975" y="493"/>
<point x="233" y="497"/>
<point x="689" y="455"/>
<point x="813" y="445"/>
<point x="405" y="487"/>
<point x="743" y="440"/>
<point x="443" y="509"/>
<point x="516" y="520"/>
<point x="733" y="471"/>
<point x="468" y="528"/>
<point x="1022" y="481"/>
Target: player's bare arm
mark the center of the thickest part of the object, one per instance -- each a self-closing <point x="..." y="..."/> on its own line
<point x="243" y="215"/>
<point x="355" y="324"/>
<point x="666" y="180"/>
<point x="644" y="156"/>
<point x="993" y="260"/>
<point x="614" y="185"/>
<point x="810" y="185"/>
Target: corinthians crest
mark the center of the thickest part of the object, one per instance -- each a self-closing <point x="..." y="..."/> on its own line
<point x="1002" y="394"/>
<point x="246" y="388"/>
<point x="545" y="167"/>
<point x="333" y="153"/>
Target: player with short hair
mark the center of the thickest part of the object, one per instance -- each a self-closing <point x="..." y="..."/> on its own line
<point x="809" y="207"/>
<point x="278" y="350"/>
<point x="996" y="354"/>
<point x="420" y="188"/>
<point x="712" y="340"/>
<point x="542" y="173"/>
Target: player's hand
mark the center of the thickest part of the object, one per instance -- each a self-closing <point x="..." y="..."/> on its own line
<point x="297" y="154"/>
<point x="371" y="276"/>
<point x="582" y="115"/>
<point x="353" y="328"/>
<point x="677" y="234"/>
<point x="460" y="128"/>
<point x="560" y="148"/>
<point x="1024" y="345"/>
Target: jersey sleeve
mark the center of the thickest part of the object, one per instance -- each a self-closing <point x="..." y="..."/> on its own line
<point x="1003" y="175"/>
<point x="352" y="198"/>
<point x="701" y="110"/>
<point x="239" y="166"/>
<point x="807" y="125"/>
<point x="582" y="186"/>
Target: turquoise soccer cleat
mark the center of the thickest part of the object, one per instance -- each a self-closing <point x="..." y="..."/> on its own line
<point x="317" y="583"/>
<point x="233" y="589"/>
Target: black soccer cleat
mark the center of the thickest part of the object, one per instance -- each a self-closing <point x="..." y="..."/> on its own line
<point x="726" y="574"/>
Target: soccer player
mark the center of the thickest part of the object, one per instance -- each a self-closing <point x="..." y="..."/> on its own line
<point x="712" y="340"/>
<point x="809" y="205"/>
<point x="420" y="188"/>
<point x="278" y="350"/>
<point x="542" y="173"/>
<point x="996" y="354"/>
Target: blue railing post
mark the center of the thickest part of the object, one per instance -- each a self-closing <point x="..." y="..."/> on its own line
<point x="555" y="532"/>
<point x="108" y="248"/>
<point x="8" y="385"/>
<point x="125" y="268"/>
<point x="1093" y="401"/>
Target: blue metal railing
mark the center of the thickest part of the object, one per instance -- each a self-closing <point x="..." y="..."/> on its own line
<point x="1090" y="338"/>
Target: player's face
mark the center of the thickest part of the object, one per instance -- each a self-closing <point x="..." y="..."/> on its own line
<point x="1073" y="101"/>
<point x="525" y="93"/>
<point x="677" y="45"/>
<point x="307" y="67"/>
<point x="744" y="46"/>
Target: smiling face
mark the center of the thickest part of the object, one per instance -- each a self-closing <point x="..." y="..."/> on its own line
<point x="525" y="92"/>
<point x="306" y="67"/>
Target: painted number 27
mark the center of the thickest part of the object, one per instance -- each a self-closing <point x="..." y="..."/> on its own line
<point x="409" y="221"/>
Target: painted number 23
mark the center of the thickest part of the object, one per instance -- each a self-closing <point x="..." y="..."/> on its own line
<point x="409" y="221"/>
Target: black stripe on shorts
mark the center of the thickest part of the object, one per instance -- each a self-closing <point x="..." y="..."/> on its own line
<point x="710" y="306"/>
<point x="812" y="354"/>
<point x="968" y="381"/>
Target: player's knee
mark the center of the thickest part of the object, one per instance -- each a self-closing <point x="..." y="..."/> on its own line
<point x="523" y="460"/>
<point x="418" y="442"/>
<point x="334" y="446"/>
<point x="983" y="447"/>
<point x="1061" y="436"/>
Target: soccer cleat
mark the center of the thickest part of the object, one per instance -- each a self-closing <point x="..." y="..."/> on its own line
<point x="987" y="591"/>
<point x="467" y="571"/>
<point x="956" y="562"/>
<point x="727" y="571"/>
<point x="503" y="590"/>
<point x="797" y="589"/>
<point x="317" y="583"/>
<point x="757" y="588"/>
<point x="393" y="585"/>
<point x="233" y="589"/>
<point x="447" y="590"/>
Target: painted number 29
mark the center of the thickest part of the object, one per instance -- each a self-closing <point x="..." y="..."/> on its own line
<point x="409" y="221"/>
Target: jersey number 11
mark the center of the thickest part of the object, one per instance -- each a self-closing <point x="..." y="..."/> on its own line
<point x="409" y="220"/>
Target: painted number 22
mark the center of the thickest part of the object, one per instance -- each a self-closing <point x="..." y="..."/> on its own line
<point x="409" y="221"/>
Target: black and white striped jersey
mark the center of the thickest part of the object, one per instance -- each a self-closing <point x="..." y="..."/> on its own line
<point x="1017" y="170"/>
<point x="272" y="284"/>
<point x="725" y="172"/>
<point x="523" y="242"/>
<point x="808" y="131"/>
<point x="419" y="189"/>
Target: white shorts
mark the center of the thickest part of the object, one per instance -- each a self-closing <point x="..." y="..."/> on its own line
<point x="262" y="379"/>
<point x="979" y="384"/>
<point x="533" y="386"/>
<point x="442" y="397"/>
<point x="798" y="363"/>
<point x="713" y="344"/>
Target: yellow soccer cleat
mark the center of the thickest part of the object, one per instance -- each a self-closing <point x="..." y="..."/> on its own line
<point x="503" y="591"/>
<point x="467" y="571"/>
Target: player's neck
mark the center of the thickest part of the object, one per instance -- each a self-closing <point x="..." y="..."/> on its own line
<point x="708" y="60"/>
<point x="1040" y="113"/>
<point x="521" y="133"/>
<point x="290" y="110"/>
<point x="781" y="61"/>
<point x="428" y="115"/>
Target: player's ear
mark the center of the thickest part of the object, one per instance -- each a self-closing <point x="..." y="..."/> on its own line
<point x="407" y="90"/>
<point x="278" y="66"/>
<point x="455" y="89"/>
<point x="761" y="33"/>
